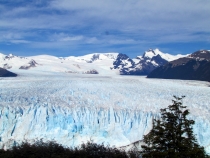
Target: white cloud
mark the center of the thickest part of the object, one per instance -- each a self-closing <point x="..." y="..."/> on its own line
<point x="101" y="14"/>
<point x="75" y="38"/>
<point x="63" y="37"/>
<point x="92" y="40"/>
<point x="145" y="15"/>
<point x="121" y="41"/>
<point x="20" y="41"/>
<point x="128" y="22"/>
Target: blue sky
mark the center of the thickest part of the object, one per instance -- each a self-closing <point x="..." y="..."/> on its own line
<point x="78" y="27"/>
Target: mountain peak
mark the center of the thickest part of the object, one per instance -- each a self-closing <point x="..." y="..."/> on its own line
<point x="149" y="54"/>
<point x="10" y="56"/>
<point x="31" y="63"/>
<point x="153" y="52"/>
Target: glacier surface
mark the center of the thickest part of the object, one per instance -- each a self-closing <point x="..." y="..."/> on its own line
<point x="75" y="108"/>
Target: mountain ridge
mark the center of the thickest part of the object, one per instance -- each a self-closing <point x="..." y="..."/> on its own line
<point x="195" y="66"/>
<point x="103" y="63"/>
<point x="142" y="65"/>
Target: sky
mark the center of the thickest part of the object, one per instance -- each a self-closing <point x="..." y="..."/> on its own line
<point x="79" y="27"/>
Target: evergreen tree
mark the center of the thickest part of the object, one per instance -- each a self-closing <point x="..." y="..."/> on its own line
<point x="172" y="135"/>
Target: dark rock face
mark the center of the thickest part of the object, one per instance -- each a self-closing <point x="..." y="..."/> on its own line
<point x="32" y="63"/>
<point x="148" y="65"/>
<point x="122" y="61"/>
<point x="7" y="66"/>
<point x="201" y="54"/>
<point x="93" y="71"/>
<point x="6" y="73"/>
<point x="194" y="67"/>
<point x="125" y="65"/>
<point x="9" y="57"/>
<point x="144" y="65"/>
<point x="158" y="59"/>
<point x="97" y="56"/>
<point x="94" y="58"/>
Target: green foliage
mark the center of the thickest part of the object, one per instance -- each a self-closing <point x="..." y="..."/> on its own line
<point x="172" y="136"/>
<point x="51" y="149"/>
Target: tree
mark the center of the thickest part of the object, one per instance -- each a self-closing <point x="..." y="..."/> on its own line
<point x="172" y="135"/>
<point x="51" y="149"/>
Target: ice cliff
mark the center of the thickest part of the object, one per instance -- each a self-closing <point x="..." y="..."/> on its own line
<point x="71" y="126"/>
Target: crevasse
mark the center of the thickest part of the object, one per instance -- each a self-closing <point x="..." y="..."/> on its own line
<point x="72" y="126"/>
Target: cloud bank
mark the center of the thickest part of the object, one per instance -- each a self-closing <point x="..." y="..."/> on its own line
<point x="107" y="24"/>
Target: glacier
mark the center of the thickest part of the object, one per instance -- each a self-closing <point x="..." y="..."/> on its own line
<point x="74" y="108"/>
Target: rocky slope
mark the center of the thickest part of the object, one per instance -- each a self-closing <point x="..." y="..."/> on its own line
<point x="6" y="73"/>
<point x="30" y="64"/>
<point x="142" y="65"/>
<point x="193" y="67"/>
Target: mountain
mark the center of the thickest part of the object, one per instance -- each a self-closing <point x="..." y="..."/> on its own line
<point x="6" y="73"/>
<point x="193" y="67"/>
<point x="96" y="63"/>
<point x="142" y="65"/>
<point x="12" y="62"/>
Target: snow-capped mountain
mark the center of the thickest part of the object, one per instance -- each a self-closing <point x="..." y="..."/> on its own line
<point x="12" y="62"/>
<point x="142" y="65"/>
<point x="151" y="53"/>
<point x="99" y="63"/>
<point x="91" y="63"/>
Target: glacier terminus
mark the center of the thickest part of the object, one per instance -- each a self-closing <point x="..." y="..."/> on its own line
<point x="75" y="108"/>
